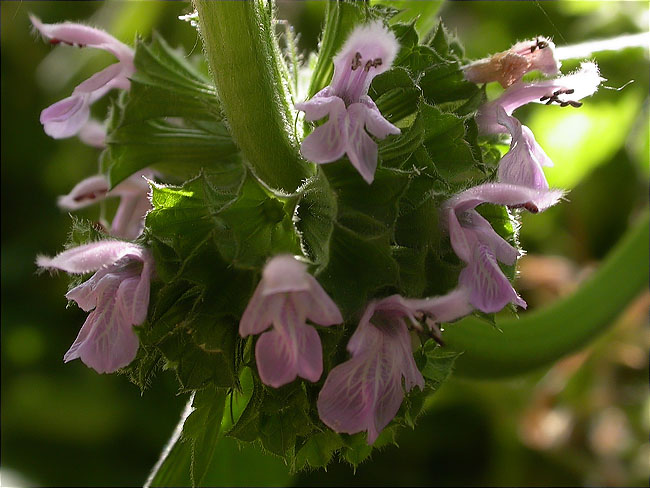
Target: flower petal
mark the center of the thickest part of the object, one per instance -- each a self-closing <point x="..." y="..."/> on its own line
<point x="291" y="349"/>
<point x="88" y="191"/>
<point x="106" y="342"/>
<point x="504" y="194"/>
<point x="327" y="142"/>
<point x="320" y="308"/>
<point x="368" y="51"/>
<point x="483" y="230"/>
<point x="376" y="124"/>
<point x="361" y="149"/>
<point x="83" y="35"/>
<point x="93" y="133"/>
<point x="444" y="308"/>
<point x="91" y="257"/>
<point x="490" y="290"/>
<point x="260" y="312"/>
<point x="66" y="117"/>
<point x="283" y="274"/>
<point x="320" y="105"/>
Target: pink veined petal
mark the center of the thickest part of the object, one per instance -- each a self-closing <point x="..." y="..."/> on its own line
<point x="520" y="165"/>
<point x="291" y="349"/>
<point x="132" y="296"/>
<point x="88" y="191"/>
<point x="106" y="342"/>
<point x="376" y="124"/>
<point x="320" y="105"/>
<point x="260" y="312"/>
<point x="365" y="392"/>
<point x="490" y="290"/>
<point x="83" y="35"/>
<point x="361" y="149"/>
<point x="93" y="133"/>
<point x="504" y="194"/>
<point x="327" y="142"/>
<point x="482" y="229"/>
<point x="90" y="257"/>
<point x="320" y="308"/>
<point x="445" y="308"/>
<point x="284" y="273"/>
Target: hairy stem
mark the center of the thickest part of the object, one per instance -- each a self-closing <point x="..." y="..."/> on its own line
<point x="250" y="77"/>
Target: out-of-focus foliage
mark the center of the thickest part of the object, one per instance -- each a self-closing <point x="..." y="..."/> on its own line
<point x="584" y="421"/>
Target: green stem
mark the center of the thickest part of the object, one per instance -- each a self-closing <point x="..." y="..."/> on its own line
<point x="541" y="337"/>
<point x="250" y="76"/>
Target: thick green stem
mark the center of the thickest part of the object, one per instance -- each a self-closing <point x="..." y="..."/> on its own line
<point x="246" y="64"/>
<point x="540" y="338"/>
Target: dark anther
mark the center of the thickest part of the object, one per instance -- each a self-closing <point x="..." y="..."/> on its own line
<point x="551" y="101"/>
<point x="564" y="104"/>
<point x="434" y="331"/>
<point x="55" y="41"/>
<point x="557" y="92"/>
<point x="569" y="91"/>
<point x="377" y="62"/>
<point x="367" y="66"/>
<point x="545" y="97"/>
<point x="531" y="207"/>
<point x="356" y="62"/>
<point x="541" y="44"/>
<point x="575" y="104"/>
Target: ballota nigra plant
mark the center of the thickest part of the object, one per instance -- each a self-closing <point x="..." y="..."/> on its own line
<point x="292" y="237"/>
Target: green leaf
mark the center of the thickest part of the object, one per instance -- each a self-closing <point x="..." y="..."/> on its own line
<point x="177" y="151"/>
<point x="256" y="226"/>
<point x="201" y="430"/>
<point x="314" y="218"/>
<point x="423" y="13"/>
<point x="317" y="452"/>
<point x="358" y="267"/>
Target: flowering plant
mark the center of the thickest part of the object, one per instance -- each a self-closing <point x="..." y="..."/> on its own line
<point x="298" y="251"/>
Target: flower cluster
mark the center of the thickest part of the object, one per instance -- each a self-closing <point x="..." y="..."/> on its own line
<point x="289" y="306"/>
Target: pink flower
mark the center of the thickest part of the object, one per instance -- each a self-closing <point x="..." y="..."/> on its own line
<point x="365" y="392"/>
<point x="510" y="66"/>
<point x="286" y="297"/>
<point x="564" y="90"/>
<point x="117" y="296"/>
<point x="476" y="243"/>
<point x="67" y="117"/>
<point x="369" y="50"/>
<point x="134" y="201"/>
<point x="522" y="165"/>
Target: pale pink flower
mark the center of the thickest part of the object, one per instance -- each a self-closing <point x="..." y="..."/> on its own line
<point x="66" y="117"/>
<point x="117" y="297"/>
<point x="128" y="221"/>
<point x="366" y="391"/>
<point x="510" y="66"/>
<point x="285" y="298"/>
<point x="522" y="165"/>
<point x="369" y="50"/>
<point x="477" y="244"/>
<point x="564" y="91"/>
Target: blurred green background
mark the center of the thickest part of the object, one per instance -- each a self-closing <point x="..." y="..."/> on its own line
<point x="584" y="421"/>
